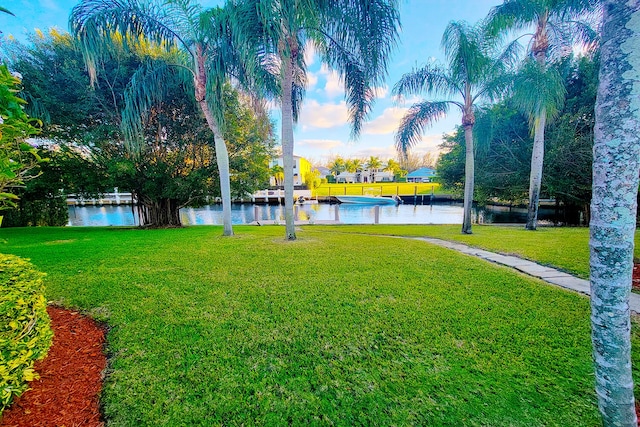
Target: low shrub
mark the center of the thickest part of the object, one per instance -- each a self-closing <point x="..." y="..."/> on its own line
<point x="25" y="331"/>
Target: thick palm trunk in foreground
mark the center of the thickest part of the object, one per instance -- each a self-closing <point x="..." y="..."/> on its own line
<point x="616" y="164"/>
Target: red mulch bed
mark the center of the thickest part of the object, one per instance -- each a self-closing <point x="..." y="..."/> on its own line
<point x="636" y="277"/>
<point x="68" y="391"/>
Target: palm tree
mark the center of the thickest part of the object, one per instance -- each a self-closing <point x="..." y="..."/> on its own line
<point x="278" y="174"/>
<point x="474" y="72"/>
<point x="616" y="165"/>
<point x="394" y="167"/>
<point x="556" y="26"/>
<point x="353" y="37"/>
<point x="353" y="165"/>
<point x="373" y="164"/>
<point x="337" y="166"/>
<point x="205" y="43"/>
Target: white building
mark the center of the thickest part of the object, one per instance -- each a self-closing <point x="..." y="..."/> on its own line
<point x="365" y="176"/>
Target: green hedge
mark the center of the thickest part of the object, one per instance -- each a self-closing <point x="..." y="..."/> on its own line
<point x="25" y="331"/>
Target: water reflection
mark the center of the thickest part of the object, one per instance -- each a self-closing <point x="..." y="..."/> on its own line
<point x="246" y="214"/>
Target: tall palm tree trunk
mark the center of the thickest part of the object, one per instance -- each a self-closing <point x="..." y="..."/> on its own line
<point x="287" y="148"/>
<point x="222" y="154"/>
<point x="616" y="165"/>
<point x="540" y="48"/>
<point x="222" y="159"/>
<point x="535" y="177"/>
<point x="469" y="175"/>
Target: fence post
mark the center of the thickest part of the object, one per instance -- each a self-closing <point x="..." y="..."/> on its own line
<point x="337" y="214"/>
<point x="376" y="214"/>
<point x="255" y="213"/>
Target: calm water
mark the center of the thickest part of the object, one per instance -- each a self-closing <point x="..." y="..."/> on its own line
<point x="348" y="214"/>
<point x="246" y="213"/>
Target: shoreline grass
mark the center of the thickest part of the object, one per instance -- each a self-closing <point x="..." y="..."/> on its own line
<point x="334" y="329"/>
<point x="378" y="189"/>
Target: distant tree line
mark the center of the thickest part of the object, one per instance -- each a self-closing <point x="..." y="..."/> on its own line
<point x="504" y="146"/>
<point x="82" y="137"/>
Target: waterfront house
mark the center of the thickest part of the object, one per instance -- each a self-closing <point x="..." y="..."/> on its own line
<point x="301" y="167"/>
<point x="421" y="175"/>
<point x="365" y="176"/>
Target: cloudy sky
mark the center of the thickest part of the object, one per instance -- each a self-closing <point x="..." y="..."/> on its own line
<point x="323" y="129"/>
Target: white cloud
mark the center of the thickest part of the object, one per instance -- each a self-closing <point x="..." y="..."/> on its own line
<point x="428" y="144"/>
<point x="309" y="54"/>
<point x="386" y="123"/>
<point x="316" y="115"/>
<point x="381" y="92"/>
<point x="403" y="101"/>
<point x="333" y="87"/>
<point x="384" y="153"/>
<point x="312" y="80"/>
<point x="320" y="144"/>
<point x="50" y="5"/>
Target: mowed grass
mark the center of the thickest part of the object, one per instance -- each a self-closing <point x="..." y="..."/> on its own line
<point x="566" y="248"/>
<point x="333" y="329"/>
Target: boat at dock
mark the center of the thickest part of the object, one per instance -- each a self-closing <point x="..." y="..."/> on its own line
<point x="367" y="200"/>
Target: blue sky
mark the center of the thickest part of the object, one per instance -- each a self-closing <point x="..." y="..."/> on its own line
<point x="323" y="130"/>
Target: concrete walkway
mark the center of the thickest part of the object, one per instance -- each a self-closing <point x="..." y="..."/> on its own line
<point x="548" y="274"/>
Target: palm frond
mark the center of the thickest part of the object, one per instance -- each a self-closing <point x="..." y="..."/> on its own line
<point x="3" y="10"/>
<point x="537" y="89"/>
<point x="366" y="28"/>
<point x="185" y="19"/>
<point x="257" y="64"/>
<point x="511" y="55"/>
<point x="571" y="9"/>
<point x="418" y="118"/>
<point x="358" y="87"/>
<point x="94" y="21"/>
<point x="466" y="52"/>
<point x="496" y="88"/>
<point x="514" y="15"/>
<point x="147" y="88"/>
<point x="430" y="79"/>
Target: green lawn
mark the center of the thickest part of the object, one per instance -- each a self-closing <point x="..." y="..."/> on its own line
<point x="566" y="248"/>
<point x="337" y="328"/>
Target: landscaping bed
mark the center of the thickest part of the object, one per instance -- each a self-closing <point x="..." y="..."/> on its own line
<point x="67" y="393"/>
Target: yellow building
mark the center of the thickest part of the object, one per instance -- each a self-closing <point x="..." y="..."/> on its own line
<point x="301" y="167"/>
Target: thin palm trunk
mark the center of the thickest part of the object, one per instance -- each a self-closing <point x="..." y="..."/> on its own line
<point x="222" y="154"/>
<point x="535" y="177"/>
<point x="540" y="47"/>
<point x="616" y="165"/>
<point x="222" y="159"/>
<point x="287" y="148"/>
<point x="469" y="175"/>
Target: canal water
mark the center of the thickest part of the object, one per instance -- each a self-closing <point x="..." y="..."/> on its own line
<point x="347" y="214"/>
